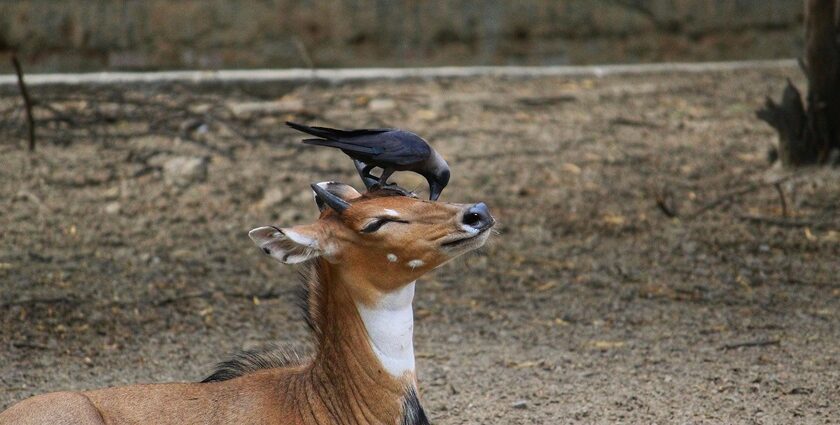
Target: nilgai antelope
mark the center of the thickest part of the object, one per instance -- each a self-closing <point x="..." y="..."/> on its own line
<point x="363" y="255"/>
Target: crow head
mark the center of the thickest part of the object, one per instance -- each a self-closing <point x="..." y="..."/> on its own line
<point x="437" y="174"/>
<point x="437" y="181"/>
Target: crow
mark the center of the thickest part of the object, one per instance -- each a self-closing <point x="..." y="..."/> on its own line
<point x="387" y="148"/>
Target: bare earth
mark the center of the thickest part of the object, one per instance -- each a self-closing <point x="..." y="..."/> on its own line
<point x="591" y="306"/>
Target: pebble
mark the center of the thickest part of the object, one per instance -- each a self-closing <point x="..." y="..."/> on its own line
<point x="248" y="109"/>
<point x="272" y="197"/>
<point x="184" y="170"/>
<point x="113" y="208"/>
<point x="382" y="105"/>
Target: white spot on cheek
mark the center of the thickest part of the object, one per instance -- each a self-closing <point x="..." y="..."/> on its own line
<point x="416" y="263"/>
<point x="391" y="212"/>
<point x="392" y="258"/>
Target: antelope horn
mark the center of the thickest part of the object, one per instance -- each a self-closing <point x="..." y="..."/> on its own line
<point x="332" y="201"/>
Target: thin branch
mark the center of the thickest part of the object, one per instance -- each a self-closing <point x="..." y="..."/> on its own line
<point x="665" y="204"/>
<point x="756" y="343"/>
<point x="727" y="197"/>
<point x="26" y="101"/>
<point x="781" y="192"/>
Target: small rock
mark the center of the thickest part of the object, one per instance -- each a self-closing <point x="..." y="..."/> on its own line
<point x="184" y="170"/>
<point x="570" y="168"/>
<point x="382" y="104"/>
<point x="113" y="208"/>
<point x="191" y="125"/>
<point x="284" y="105"/>
<point x="426" y="115"/>
<point x="201" y="108"/>
<point x="689" y="248"/>
<point x="111" y="193"/>
<point x="271" y="197"/>
<point x="521" y="404"/>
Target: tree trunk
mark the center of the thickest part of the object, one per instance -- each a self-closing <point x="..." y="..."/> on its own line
<point x="812" y="135"/>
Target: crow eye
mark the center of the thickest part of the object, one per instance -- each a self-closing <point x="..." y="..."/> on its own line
<point x="379" y="222"/>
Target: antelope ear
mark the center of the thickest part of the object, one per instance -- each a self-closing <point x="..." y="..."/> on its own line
<point x="288" y="245"/>
<point x="343" y="191"/>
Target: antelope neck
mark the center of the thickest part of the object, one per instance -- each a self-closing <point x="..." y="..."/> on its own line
<point x="390" y="328"/>
<point x="365" y="351"/>
<point x="380" y="330"/>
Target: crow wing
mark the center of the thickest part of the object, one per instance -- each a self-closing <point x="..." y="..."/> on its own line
<point x="334" y="134"/>
<point x="376" y="146"/>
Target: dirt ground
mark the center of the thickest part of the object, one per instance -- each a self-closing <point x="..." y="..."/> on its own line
<point x="592" y="305"/>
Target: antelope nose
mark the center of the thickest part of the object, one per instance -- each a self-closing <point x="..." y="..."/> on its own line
<point x="478" y="217"/>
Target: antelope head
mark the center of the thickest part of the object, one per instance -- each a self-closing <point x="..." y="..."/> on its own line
<point x="380" y="240"/>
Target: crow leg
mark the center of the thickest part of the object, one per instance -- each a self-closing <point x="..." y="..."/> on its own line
<point x="386" y="173"/>
<point x="364" y="172"/>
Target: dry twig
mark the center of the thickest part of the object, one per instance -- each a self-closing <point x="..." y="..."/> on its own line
<point x="778" y="187"/>
<point x="756" y="343"/>
<point x="728" y="197"/>
<point x="27" y="102"/>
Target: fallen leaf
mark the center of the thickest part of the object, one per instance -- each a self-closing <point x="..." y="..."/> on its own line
<point x="570" y="168"/>
<point x="615" y="220"/>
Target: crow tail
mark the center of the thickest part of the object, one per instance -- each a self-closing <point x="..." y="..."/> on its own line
<point x="332" y="133"/>
<point x="323" y="132"/>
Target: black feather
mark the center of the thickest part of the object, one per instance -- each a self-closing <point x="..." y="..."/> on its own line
<point x="248" y="361"/>
<point x="379" y="147"/>
<point x="333" y="133"/>
<point x="345" y="146"/>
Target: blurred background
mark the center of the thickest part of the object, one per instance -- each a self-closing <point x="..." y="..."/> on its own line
<point x="92" y="35"/>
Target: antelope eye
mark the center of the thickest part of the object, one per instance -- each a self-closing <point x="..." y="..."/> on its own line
<point x="374" y="225"/>
<point x="377" y="223"/>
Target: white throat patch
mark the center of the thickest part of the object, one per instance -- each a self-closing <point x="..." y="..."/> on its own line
<point x="390" y="328"/>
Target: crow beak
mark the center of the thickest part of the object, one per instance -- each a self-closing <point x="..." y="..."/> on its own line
<point x="435" y="190"/>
